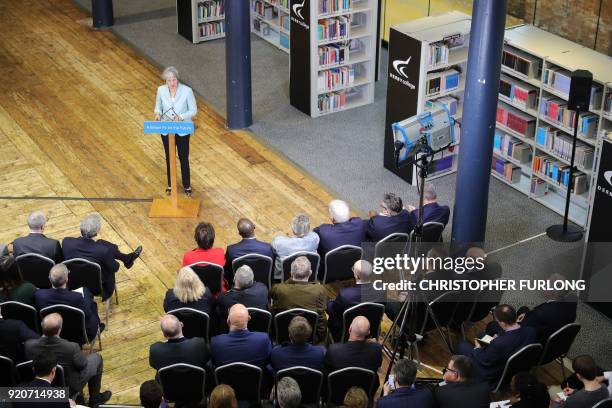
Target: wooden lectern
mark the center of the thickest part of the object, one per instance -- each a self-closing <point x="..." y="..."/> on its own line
<point x="173" y="206"/>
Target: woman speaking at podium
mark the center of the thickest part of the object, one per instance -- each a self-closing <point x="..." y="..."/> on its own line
<point x="175" y="101"/>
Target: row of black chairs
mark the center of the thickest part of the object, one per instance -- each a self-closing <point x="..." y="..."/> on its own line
<point x="12" y="374"/>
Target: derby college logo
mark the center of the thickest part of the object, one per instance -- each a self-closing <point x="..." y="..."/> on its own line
<point x="298" y="9"/>
<point x="607" y="190"/>
<point x="400" y="67"/>
<point x="608" y="176"/>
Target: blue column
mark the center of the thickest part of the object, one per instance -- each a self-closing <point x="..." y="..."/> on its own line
<point x="478" y="122"/>
<point x="238" y="63"/>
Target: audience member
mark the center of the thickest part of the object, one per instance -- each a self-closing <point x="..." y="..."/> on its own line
<point x="489" y="361"/>
<point x="152" y="395"/>
<point x="299" y="352"/>
<point x="301" y="239"/>
<point x="59" y="294"/>
<point x="177" y="348"/>
<point x="240" y="345"/>
<point x="460" y="390"/>
<point x="593" y="391"/>
<point x="13" y="333"/>
<point x="432" y="211"/>
<point x="79" y="368"/>
<point x="223" y="396"/>
<point x="12" y="285"/>
<point x="355" y="398"/>
<point x="402" y="392"/>
<point x="248" y="245"/>
<point x="529" y="392"/>
<point x="492" y="270"/>
<point x="297" y="292"/>
<point x="287" y="393"/>
<point x="102" y="252"/>
<point x="44" y="366"/>
<point x="188" y="291"/>
<point x="393" y="218"/>
<point x="205" y="238"/>
<point x="245" y="291"/>
<point x="36" y="242"/>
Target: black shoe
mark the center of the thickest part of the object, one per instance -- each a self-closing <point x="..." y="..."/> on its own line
<point x="102" y="327"/>
<point x="100" y="399"/>
<point x="168" y="190"/>
<point x="133" y="256"/>
<point x="188" y="192"/>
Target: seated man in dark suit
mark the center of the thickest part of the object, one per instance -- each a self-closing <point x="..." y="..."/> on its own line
<point x="44" y="366"/>
<point x="13" y="333"/>
<point x="59" y="294"/>
<point x="432" y="211"/>
<point x="248" y="245"/>
<point x="489" y="361"/>
<point x="297" y="292"/>
<point x="460" y="390"/>
<point x="177" y="348"/>
<point x="357" y="352"/>
<point x="102" y="252"/>
<point x="299" y="352"/>
<point x="392" y="218"/>
<point x="245" y="291"/>
<point x="79" y="369"/>
<point x="36" y="242"/>
<point x="402" y="393"/>
<point x="240" y="345"/>
<point x="342" y="231"/>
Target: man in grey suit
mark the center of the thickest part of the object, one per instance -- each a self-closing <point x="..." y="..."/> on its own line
<point x="36" y="242"/>
<point x="78" y="368"/>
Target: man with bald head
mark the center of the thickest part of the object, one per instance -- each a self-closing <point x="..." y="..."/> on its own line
<point x="79" y="369"/>
<point x="240" y="345"/>
<point x="177" y="348"/>
<point x="36" y="242"/>
<point x="357" y="352"/>
<point x="248" y="245"/>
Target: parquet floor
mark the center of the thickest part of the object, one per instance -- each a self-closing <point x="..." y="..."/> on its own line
<point x="72" y="103"/>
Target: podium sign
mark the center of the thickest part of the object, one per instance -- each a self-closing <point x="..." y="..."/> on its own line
<point x="169" y="127"/>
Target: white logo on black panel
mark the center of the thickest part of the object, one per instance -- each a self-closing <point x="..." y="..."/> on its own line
<point x="605" y="189"/>
<point x="608" y="176"/>
<point x="400" y="66"/>
<point x="297" y="9"/>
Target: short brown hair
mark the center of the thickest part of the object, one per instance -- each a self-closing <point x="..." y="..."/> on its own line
<point x="505" y="314"/>
<point x="462" y="366"/>
<point x="585" y="366"/>
<point x="355" y="398"/>
<point x="299" y="330"/>
<point x="223" y="396"/>
<point x="204" y="235"/>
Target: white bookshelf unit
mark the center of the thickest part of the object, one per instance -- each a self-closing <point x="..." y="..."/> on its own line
<point x="427" y="66"/>
<point x="271" y="20"/>
<point x="534" y="133"/>
<point x="200" y="20"/>
<point x="333" y="57"/>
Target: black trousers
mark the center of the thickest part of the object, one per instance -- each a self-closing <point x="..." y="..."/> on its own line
<point x="182" y="145"/>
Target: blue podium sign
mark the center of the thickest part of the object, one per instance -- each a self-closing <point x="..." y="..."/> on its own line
<point x="169" y="127"/>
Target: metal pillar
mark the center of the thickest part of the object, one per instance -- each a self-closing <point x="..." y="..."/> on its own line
<point x="238" y="63"/>
<point x="478" y="122"/>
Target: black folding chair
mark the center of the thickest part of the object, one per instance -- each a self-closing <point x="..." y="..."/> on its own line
<point x="195" y="322"/>
<point x="339" y="263"/>
<point x="244" y="378"/>
<point x="35" y="269"/>
<point x="21" y="311"/>
<point x="314" y="259"/>
<point x="607" y="403"/>
<point x="310" y="381"/>
<point x="183" y="383"/>
<point x="7" y="372"/>
<point x="261" y="265"/>
<point x="25" y="374"/>
<point x="392" y="244"/>
<point x="440" y="315"/>
<point x="210" y="274"/>
<point x="372" y="311"/>
<point x="432" y="231"/>
<point x="522" y="360"/>
<point x="73" y="328"/>
<point x="260" y="321"/>
<point x="339" y="382"/>
<point x="484" y="302"/>
<point x="282" y="320"/>
<point x="558" y="345"/>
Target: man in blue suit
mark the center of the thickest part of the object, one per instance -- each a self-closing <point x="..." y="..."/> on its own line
<point x="489" y="360"/>
<point x="299" y="352"/>
<point x="248" y="245"/>
<point x="402" y="393"/>
<point x="44" y="366"/>
<point x="240" y="345"/>
<point x="59" y="294"/>
<point x="391" y="219"/>
<point x="432" y="211"/>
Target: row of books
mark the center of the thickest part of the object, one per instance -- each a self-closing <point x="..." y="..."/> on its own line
<point x="282" y="3"/>
<point x="261" y="27"/>
<point x="331" y="102"/>
<point x="538" y="187"/>
<point x="521" y="62"/>
<point x="516" y="120"/>
<point x="560" y="80"/>
<point x="335" y="77"/>
<point x="333" y="28"/>
<point x="334" y="6"/>
<point x="212" y="28"/>
<point x="506" y="169"/>
<point x="521" y="94"/>
<point x="556" y="109"/>
<point x="440" y="82"/>
<point x="558" y="172"/>
<point x="264" y="10"/>
<point x="607" y="105"/>
<point x="438" y="54"/>
<point x="560" y="144"/>
<point x="211" y="9"/>
<point x="451" y="104"/>
<point x="333" y="54"/>
<point x="285" y="22"/>
<point x="507" y="145"/>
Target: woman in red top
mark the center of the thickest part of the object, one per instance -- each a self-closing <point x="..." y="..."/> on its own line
<point x="205" y="238"/>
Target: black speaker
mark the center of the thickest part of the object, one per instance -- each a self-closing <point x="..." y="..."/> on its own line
<point x="580" y="90"/>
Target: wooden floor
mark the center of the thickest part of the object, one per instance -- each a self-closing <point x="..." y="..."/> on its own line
<point x="72" y="103"/>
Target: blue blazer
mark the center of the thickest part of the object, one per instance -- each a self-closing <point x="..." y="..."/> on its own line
<point x="184" y="103"/>
<point x="291" y="355"/>
<point x="407" y="397"/>
<point x="432" y="212"/>
<point x="380" y="226"/>
<point x="331" y="236"/>
<point x="245" y="247"/>
<point x="63" y="296"/>
<point x="241" y="346"/>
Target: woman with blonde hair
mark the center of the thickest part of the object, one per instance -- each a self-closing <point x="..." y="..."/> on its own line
<point x="188" y="291"/>
<point x="223" y="396"/>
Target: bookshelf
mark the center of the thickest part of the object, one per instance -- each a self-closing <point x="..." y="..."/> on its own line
<point x="271" y="20"/>
<point x="534" y="132"/>
<point x="200" y="20"/>
<point x="333" y="60"/>
<point x="427" y="65"/>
